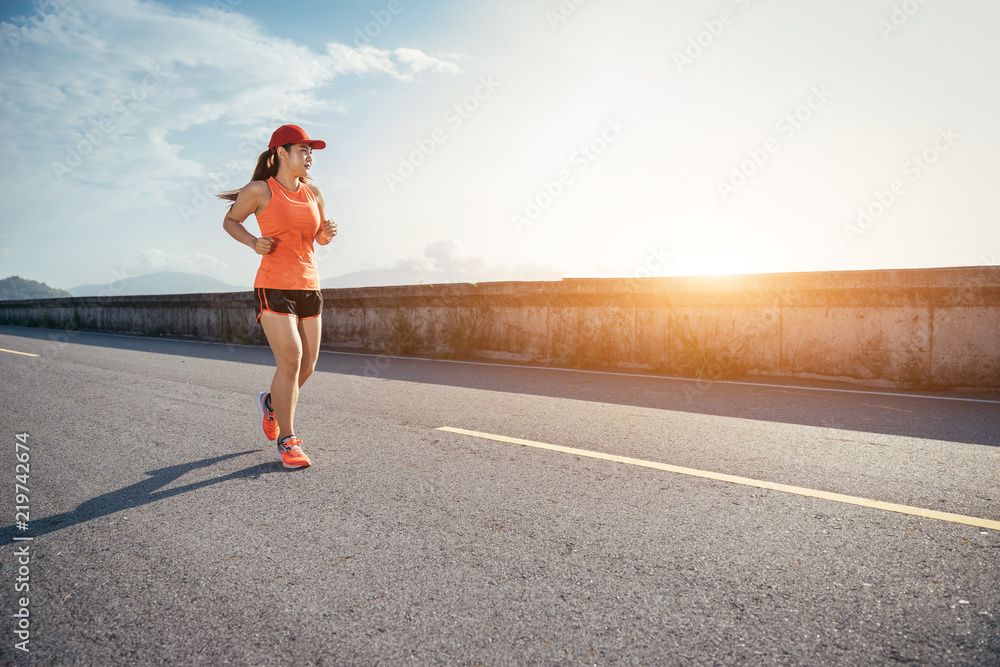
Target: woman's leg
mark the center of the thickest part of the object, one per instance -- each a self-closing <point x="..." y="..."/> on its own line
<point x="309" y="333"/>
<point x="283" y="336"/>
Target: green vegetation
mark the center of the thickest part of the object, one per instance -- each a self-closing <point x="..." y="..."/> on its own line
<point x="398" y="331"/>
<point x="46" y="322"/>
<point x="716" y="356"/>
<point x="463" y="332"/>
<point x="591" y="346"/>
<point x="16" y="288"/>
<point x="236" y="327"/>
<point x="916" y="376"/>
<point x="74" y="322"/>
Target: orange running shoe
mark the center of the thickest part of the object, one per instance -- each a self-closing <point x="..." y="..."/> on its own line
<point x="268" y="422"/>
<point x="291" y="454"/>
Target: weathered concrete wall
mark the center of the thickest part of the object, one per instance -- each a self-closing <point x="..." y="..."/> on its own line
<point x="926" y="328"/>
<point x="225" y="317"/>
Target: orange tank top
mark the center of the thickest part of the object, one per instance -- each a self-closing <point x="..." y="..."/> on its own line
<point x="292" y="219"/>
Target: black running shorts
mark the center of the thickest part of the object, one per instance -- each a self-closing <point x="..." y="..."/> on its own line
<point x="300" y="303"/>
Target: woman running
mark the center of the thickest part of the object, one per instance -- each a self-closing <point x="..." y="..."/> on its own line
<point x="290" y="213"/>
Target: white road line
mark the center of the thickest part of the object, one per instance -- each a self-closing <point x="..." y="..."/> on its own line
<point x="744" y="481"/>
<point x="27" y="354"/>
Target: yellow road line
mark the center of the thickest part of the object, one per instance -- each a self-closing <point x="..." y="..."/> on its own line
<point x="27" y="354"/>
<point x="746" y="481"/>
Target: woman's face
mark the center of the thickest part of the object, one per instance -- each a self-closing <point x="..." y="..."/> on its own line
<point x="299" y="159"/>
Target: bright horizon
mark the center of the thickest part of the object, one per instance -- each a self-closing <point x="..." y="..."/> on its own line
<point x="522" y="141"/>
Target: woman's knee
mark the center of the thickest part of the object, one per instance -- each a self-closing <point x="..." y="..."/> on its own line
<point x="289" y="365"/>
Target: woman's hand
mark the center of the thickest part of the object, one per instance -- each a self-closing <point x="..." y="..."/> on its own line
<point x="329" y="229"/>
<point x="263" y="245"/>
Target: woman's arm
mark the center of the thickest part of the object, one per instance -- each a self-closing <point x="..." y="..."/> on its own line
<point x="328" y="228"/>
<point x="248" y="201"/>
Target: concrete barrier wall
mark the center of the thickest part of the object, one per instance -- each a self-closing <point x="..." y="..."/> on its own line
<point x="921" y="328"/>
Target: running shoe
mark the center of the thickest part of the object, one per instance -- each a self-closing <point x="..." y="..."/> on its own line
<point x="291" y="454"/>
<point x="268" y="422"/>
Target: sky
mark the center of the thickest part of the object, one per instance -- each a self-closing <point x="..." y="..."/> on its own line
<point x="522" y="140"/>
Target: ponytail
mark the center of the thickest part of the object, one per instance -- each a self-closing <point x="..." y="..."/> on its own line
<point x="267" y="167"/>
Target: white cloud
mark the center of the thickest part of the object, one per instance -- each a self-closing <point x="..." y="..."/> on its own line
<point x="154" y="259"/>
<point x="402" y="63"/>
<point x="101" y="89"/>
<point x="418" y="61"/>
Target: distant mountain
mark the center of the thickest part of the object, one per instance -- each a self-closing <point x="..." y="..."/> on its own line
<point x="16" y="287"/>
<point x="164" y="282"/>
<point x="444" y="262"/>
<point x="386" y="278"/>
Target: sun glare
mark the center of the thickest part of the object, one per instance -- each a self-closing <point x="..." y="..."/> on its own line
<point x="710" y="259"/>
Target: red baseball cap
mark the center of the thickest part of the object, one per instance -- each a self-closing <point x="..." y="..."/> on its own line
<point x="293" y="134"/>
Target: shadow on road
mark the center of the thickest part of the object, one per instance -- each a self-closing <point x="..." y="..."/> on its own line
<point x="838" y="406"/>
<point x="136" y="495"/>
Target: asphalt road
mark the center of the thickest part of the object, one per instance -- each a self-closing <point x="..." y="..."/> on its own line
<point x="165" y="531"/>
